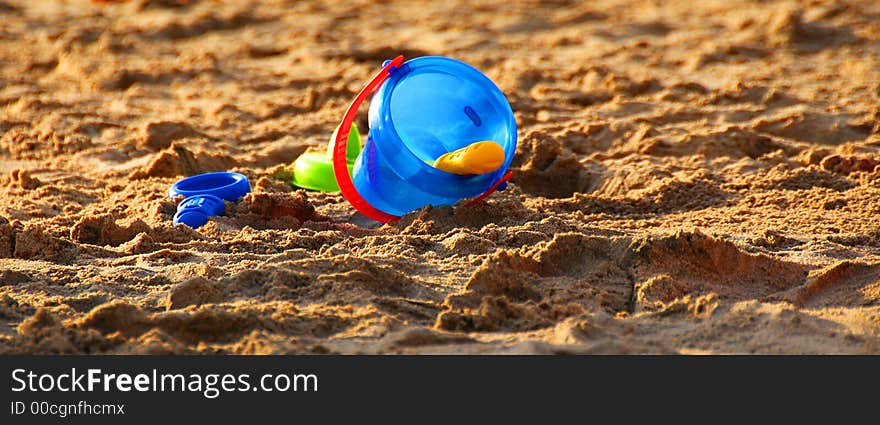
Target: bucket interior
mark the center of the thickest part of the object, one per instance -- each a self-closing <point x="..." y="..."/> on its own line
<point x="436" y="111"/>
<point x="430" y="106"/>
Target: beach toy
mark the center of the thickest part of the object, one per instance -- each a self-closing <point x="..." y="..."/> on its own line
<point x="314" y="169"/>
<point x="204" y="195"/>
<point x="422" y="111"/>
<point x="476" y="158"/>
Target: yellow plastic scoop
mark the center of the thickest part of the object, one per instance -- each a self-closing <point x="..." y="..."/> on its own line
<point x="476" y="158"/>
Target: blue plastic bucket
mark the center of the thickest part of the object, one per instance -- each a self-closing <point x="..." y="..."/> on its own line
<point x="429" y="106"/>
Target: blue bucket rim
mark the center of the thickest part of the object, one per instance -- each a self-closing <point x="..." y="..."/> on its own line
<point x="445" y="181"/>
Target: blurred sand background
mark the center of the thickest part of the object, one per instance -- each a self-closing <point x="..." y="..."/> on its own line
<point x="692" y="177"/>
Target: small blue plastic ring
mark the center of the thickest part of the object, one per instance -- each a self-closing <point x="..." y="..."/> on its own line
<point x="224" y="185"/>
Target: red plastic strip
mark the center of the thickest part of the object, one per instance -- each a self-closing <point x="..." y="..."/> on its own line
<point x="340" y="166"/>
<point x="491" y="190"/>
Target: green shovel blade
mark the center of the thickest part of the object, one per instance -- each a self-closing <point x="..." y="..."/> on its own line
<point x="314" y="170"/>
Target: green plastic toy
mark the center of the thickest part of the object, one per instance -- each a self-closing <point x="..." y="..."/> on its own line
<point x="314" y="170"/>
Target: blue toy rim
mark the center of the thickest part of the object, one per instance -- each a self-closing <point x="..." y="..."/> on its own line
<point x="224" y="185"/>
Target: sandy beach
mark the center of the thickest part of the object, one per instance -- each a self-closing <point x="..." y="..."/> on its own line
<point x="690" y="178"/>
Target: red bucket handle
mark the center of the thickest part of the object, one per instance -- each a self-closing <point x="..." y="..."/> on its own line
<point x="340" y="164"/>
